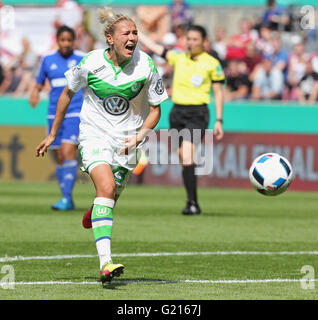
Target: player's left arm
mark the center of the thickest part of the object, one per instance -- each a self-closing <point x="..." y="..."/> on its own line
<point x="40" y="80"/>
<point x="218" y="93"/>
<point x="218" y="80"/>
<point x="156" y="95"/>
<point x="150" y="123"/>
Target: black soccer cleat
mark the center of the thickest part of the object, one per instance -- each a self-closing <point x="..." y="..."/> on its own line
<point x="192" y="208"/>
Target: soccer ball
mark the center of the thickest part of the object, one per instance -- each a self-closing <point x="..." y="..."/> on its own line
<point x="271" y="174"/>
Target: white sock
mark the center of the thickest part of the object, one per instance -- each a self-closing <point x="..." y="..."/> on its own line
<point x="104" y="251"/>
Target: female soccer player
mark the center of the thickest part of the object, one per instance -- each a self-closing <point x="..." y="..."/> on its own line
<point x="122" y="102"/>
<point x="53" y="67"/>
<point x="194" y="73"/>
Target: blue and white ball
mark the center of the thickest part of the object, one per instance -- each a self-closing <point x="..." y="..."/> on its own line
<point x="271" y="174"/>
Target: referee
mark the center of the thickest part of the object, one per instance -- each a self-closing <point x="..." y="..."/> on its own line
<point x="195" y="71"/>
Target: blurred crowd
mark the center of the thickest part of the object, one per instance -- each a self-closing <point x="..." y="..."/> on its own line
<point x="270" y="58"/>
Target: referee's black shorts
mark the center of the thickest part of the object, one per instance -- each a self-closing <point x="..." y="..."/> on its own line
<point x="189" y="117"/>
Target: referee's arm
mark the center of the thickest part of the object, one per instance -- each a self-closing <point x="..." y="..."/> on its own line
<point x="218" y="101"/>
<point x="156" y="48"/>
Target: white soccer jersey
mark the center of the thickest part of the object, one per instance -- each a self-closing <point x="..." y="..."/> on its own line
<point x="117" y="98"/>
<point x="116" y="102"/>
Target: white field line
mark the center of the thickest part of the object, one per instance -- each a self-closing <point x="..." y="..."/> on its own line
<point x="157" y="254"/>
<point x="234" y="281"/>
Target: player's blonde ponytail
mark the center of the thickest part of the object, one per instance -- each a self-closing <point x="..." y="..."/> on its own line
<point x="108" y="18"/>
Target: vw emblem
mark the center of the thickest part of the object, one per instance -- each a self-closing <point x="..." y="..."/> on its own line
<point x="115" y="105"/>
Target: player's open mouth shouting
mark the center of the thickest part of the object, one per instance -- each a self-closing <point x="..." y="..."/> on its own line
<point x="130" y="48"/>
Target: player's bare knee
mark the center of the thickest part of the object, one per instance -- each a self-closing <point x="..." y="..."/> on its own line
<point x="107" y="189"/>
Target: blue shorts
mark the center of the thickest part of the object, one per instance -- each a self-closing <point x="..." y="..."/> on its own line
<point x="68" y="132"/>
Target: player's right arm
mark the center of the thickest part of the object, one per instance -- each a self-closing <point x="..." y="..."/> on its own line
<point x="62" y="105"/>
<point x="35" y="94"/>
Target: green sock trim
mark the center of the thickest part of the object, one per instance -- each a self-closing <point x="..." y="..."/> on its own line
<point x="102" y="220"/>
<point x="102" y="232"/>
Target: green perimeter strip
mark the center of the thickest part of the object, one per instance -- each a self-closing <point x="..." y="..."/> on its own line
<point x="259" y="117"/>
<point x="271" y="118"/>
<point x="30" y="2"/>
<point x="251" y="3"/>
<point x="238" y="117"/>
<point x="18" y="112"/>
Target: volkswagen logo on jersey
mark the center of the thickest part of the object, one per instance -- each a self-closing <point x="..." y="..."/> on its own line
<point x="116" y="105"/>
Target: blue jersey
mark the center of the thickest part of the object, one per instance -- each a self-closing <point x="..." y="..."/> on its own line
<point x="53" y="67"/>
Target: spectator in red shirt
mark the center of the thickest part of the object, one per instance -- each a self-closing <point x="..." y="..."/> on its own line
<point x="237" y="47"/>
<point x="252" y="60"/>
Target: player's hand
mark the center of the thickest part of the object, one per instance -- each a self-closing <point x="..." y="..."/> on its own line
<point x="43" y="146"/>
<point x="34" y="100"/>
<point x="218" y="130"/>
<point x="130" y="144"/>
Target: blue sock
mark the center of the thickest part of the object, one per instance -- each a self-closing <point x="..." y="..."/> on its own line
<point x="59" y="175"/>
<point x="69" y="177"/>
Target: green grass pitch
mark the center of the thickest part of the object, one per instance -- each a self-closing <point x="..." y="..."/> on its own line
<point x="147" y="219"/>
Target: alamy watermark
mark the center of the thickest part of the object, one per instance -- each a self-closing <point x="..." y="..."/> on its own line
<point x="307" y="282"/>
<point x="7" y="281"/>
<point x="7" y="18"/>
<point x="307" y="21"/>
<point x="162" y="147"/>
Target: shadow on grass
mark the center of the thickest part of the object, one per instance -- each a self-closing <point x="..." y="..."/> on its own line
<point x="117" y="283"/>
<point x="217" y="214"/>
<point x="124" y="282"/>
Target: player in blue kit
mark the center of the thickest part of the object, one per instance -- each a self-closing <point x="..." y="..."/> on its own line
<point x="53" y="67"/>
